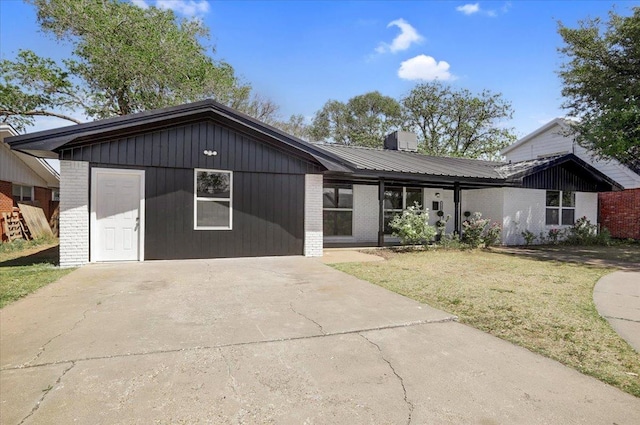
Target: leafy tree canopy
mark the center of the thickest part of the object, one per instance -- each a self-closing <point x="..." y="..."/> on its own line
<point x="601" y="84"/>
<point x="125" y="59"/>
<point x="458" y="123"/>
<point x="448" y="122"/>
<point x="363" y="121"/>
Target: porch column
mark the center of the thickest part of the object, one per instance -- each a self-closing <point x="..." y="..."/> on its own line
<point x="381" y="213"/>
<point x="456" y="214"/>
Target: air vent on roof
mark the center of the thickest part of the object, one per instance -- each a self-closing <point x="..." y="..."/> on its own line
<point x="401" y="141"/>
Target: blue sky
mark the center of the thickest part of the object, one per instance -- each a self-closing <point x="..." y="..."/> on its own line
<point x="303" y="53"/>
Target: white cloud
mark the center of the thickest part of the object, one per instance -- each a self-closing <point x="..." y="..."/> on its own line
<point x="469" y="9"/>
<point x="408" y="36"/>
<point x="142" y="4"/>
<point x="423" y="67"/>
<point x="473" y="8"/>
<point x="188" y="8"/>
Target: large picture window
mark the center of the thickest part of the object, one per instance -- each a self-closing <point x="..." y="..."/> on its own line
<point x="337" y="210"/>
<point x="561" y="207"/>
<point x="397" y="199"/>
<point x="212" y="199"/>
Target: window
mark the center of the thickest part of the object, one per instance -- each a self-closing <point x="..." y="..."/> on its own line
<point x="337" y="213"/>
<point x="561" y="207"/>
<point x="55" y="195"/>
<point x="397" y="199"/>
<point x="212" y="200"/>
<point x="22" y="193"/>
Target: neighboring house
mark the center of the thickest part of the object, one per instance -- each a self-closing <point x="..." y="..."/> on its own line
<point x="203" y="181"/>
<point x="24" y="178"/>
<point x="619" y="212"/>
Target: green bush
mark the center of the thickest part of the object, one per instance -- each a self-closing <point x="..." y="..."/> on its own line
<point x="477" y="231"/>
<point x="492" y="235"/>
<point x="412" y="226"/>
<point x="529" y="237"/>
<point x="585" y="233"/>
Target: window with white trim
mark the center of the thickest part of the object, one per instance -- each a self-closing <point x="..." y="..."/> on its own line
<point x="22" y="193"/>
<point x="397" y="199"/>
<point x="212" y="203"/>
<point x="337" y="209"/>
<point x="561" y="207"/>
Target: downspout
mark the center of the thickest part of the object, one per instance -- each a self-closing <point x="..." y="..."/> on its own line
<point x="381" y="213"/>
<point x="456" y="213"/>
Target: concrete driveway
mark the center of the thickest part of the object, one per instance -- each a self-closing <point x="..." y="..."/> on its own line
<point x="269" y="340"/>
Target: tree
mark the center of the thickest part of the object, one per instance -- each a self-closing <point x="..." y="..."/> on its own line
<point x="296" y="126"/>
<point x="125" y="59"/>
<point x="601" y="84"/>
<point x="456" y="122"/>
<point x="363" y="121"/>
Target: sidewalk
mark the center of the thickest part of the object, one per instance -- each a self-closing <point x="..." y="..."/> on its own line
<point x="617" y="299"/>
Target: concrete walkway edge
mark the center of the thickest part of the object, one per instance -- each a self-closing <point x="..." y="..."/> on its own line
<point x="617" y="299"/>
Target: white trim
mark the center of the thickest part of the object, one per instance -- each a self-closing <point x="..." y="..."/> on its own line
<point x="93" y="221"/>
<point x="196" y="199"/>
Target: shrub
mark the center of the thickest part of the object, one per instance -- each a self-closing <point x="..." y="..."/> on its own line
<point x="452" y="242"/>
<point x="492" y="235"/>
<point x="585" y="233"/>
<point x="529" y="237"/>
<point x="412" y="226"/>
<point x="554" y="236"/>
<point x="477" y="231"/>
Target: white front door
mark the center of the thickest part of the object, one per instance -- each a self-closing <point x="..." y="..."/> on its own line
<point x="117" y="214"/>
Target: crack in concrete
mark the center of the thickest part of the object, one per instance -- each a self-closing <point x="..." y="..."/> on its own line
<point x="404" y="389"/>
<point x="622" y="318"/>
<point x="234" y="384"/>
<point x="44" y="346"/>
<point x="47" y="391"/>
<point x="241" y="344"/>
<point x="308" y="318"/>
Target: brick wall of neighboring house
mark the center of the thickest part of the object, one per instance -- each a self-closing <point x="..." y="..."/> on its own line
<point x="42" y="196"/>
<point x="620" y="213"/>
<point x="6" y="196"/>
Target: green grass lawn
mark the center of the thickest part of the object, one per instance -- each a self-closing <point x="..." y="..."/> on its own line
<point x="545" y="306"/>
<point x="27" y="266"/>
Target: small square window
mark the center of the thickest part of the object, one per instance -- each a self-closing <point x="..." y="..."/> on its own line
<point x="568" y="216"/>
<point x="568" y="199"/>
<point x="393" y="198"/>
<point x="553" y="198"/>
<point x="552" y="216"/>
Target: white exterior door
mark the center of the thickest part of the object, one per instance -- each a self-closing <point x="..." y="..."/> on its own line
<point x="117" y="214"/>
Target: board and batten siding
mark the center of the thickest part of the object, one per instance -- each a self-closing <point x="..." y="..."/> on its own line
<point x="267" y="198"/>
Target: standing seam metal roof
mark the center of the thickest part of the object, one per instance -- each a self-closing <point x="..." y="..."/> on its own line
<point x="413" y="162"/>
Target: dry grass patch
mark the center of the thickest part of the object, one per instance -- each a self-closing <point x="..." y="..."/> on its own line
<point x="545" y="306"/>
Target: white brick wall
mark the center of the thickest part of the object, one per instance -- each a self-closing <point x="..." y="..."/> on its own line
<point x="524" y="209"/>
<point x="74" y="213"/>
<point x="313" y="215"/>
<point x="365" y="213"/>
<point x="587" y="205"/>
<point x="488" y="202"/>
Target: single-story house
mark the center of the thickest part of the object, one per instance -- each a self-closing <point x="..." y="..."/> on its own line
<point x="619" y="211"/>
<point x="25" y="178"/>
<point x="202" y="180"/>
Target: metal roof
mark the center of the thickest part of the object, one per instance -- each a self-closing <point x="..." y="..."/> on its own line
<point x="413" y="162"/>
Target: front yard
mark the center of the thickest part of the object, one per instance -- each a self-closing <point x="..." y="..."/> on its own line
<point x="540" y="304"/>
<point x="26" y="267"/>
